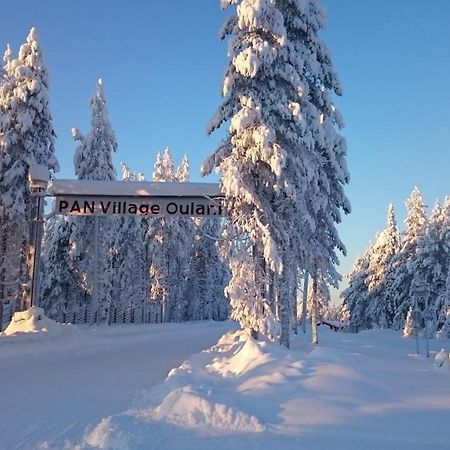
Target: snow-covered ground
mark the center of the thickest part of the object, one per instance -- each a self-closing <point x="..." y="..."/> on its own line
<point x="352" y="392"/>
<point x="56" y="382"/>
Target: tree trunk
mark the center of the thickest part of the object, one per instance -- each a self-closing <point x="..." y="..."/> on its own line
<point x="314" y="336"/>
<point x="259" y="285"/>
<point x="294" y="307"/>
<point x="282" y="293"/>
<point x="305" y="301"/>
<point x="2" y="269"/>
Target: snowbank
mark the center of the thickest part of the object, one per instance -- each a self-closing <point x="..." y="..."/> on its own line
<point x="441" y="359"/>
<point x="352" y="392"/>
<point x="32" y="320"/>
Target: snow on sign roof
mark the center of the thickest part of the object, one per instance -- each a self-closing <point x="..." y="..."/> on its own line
<point x="132" y="189"/>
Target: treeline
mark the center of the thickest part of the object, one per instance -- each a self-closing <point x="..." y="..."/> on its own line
<point x="403" y="272"/>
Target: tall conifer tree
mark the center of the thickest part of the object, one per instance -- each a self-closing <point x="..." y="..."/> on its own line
<point x="283" y="163"/>
<point x="92" y="238"/>
<point x="26" y="137"/>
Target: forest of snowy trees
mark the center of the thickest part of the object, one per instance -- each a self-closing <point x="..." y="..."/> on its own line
<point x="95" y="269"/>
<point x="400" y="273"/>
<point x="283" y="170"/>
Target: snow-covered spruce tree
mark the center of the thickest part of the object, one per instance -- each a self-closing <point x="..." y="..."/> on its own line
<point x="441" y="305"/>
<point x="381" y="306"/>
<point x="283" y="162"/>
<point x="60" y="282"/>
<point x="444" y="331"/>
<point x="169" y="242"/>
<point x="208" y="274"/>
<point x="93" y="238"/>
<point x="130" y="274"/>
<point x="26" y="137"/>
<point x="13" y="192"/>
<point x="131" y="280"/>
<point x="344" y="314"/>
<point x="401" y="277"/>
<point x="355" y="296"/>
<point x="408" y="328"/>
<point x="322" y="299"/>
<point x="430" y="265"/>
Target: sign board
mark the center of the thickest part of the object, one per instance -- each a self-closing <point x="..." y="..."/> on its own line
<point x="139" y="206"/>
<point x="118" y="198"/>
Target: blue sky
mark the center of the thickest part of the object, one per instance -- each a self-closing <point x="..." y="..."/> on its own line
<point x="162" y="64"/>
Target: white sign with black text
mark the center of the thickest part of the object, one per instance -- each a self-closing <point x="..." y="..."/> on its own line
<point x="139" y="206"/>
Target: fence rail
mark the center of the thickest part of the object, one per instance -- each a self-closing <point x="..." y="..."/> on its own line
<point x="147" y="312"/>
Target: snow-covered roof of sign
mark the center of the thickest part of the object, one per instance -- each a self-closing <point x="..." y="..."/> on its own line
<point x="132" y="188"/>
<point x="38" y="172"/>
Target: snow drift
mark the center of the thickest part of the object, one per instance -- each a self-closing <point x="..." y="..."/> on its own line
<point x="33" y="320"/>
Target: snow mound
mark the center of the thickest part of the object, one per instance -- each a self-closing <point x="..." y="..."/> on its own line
<point x="246" y="355"/>
<point x="33" y="320"/>
<point x="106" y="435"/>
<point x="185" y="408"/>
<point x="441" y="358"/>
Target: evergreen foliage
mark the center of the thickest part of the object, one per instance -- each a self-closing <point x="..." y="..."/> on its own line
<point x="92" y="238"/>
<point x="396" y="275"/>
<point x="283" y="162"/>
<point x="26" y="137"/>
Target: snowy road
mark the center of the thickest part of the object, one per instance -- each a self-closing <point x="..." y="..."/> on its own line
<point x="90" y="374"/>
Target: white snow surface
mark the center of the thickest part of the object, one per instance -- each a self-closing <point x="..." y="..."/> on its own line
<point x="352" y="391"/>
<point x="55" y="382"/>
<point x="33" y="320"/>
<point x="133" y="188"/>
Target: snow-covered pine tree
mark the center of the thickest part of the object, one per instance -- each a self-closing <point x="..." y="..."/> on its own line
<point x="12" y="199"/>
<point x="130" y="274"/>
<point x="355" y="296"/>
<point x="26" y="137"/>
<point x="444" y="331"/>
<point x="401" y="277"/>
<point x="322" y="299"/>
<point x="282" y="161"/>
<point x="430" y="264"/>
<point x="208" y="274"/>
<point x="408" y="328"/>
<point x="344" y="314"/>
<point x="442" y="301"/>
<point x="93" y="238"/>
<point x="325" y="199"/>
<point x="93" y="157"/>
<point x="381" y="307"/>
<point x="169" y="242"/>
<point x="130" y="282"/>
<point x="164" y="169"/>
<point x="60" y="282"/>
<point x="186" y="232"/>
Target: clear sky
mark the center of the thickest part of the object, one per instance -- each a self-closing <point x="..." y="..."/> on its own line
<point x="162" y="64"/>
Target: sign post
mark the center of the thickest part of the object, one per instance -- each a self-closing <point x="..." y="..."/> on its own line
<point x="38" y="178"/>
<point x="421" y="297"/>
